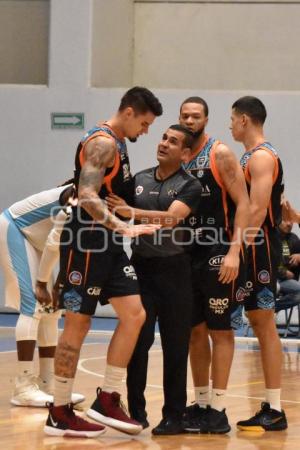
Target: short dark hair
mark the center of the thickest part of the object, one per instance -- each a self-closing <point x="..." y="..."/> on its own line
<point x="252" y="107"/>
<point x="141" y="100"/>
<point x="198" y="100"/>
<point x="188" y="135"/>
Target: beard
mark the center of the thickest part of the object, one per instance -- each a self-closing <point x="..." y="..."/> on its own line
<point x="132" y="139"/>
<point x="198" y="133"/>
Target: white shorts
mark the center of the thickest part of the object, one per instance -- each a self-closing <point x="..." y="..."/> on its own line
<point x="19" y="261"/>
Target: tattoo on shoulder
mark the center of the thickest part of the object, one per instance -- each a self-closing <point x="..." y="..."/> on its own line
<point x="227" y="164"/>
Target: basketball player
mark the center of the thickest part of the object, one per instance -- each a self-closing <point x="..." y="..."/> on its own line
<point x="264" y="176"/>
<point x="24" y="230"/>
<point x="218" y="268"/>
<point x="94" y="267"/>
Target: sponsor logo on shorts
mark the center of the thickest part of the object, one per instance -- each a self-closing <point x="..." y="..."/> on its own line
<point x="95" y="290"/>
<point x="130" y="272"/>
<point x="240" y="294"/>
<point x="200" y="173"/>
<point x="216" y="261"/>
<point x="72" y="300"/>
<point x="75" y="277"/>
<point x="264" y="277"/>
<point x="218" y="305"/>
<point x="139" y="190"/>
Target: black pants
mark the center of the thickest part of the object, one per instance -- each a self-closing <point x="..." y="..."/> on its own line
<point x="166" y="291"/>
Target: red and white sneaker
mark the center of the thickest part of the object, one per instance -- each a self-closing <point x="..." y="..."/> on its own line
<point x="109" y="410"/>
<point x="62" y="421"/>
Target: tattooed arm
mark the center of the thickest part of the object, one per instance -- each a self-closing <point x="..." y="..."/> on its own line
<point x="233" y="180"/>
<point x="99" y="154"/>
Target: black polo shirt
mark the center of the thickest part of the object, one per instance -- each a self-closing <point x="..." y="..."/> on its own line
<point x="150" y="193"/>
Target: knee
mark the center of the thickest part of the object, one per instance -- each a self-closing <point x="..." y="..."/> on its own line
<point x="76" y="325"/>
<point x="199" y="336"/>
<point x="134" y="317"/>
<point x="222" y="337"/>
<point x="27" y="328"/>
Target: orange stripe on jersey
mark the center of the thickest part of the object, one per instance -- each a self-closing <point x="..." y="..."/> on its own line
<point x="108" y="179"/>
<point x="254" y="260"/>
<point x="69" y="262"/>
<point x="216" y="175"/>
<point x="93" y="136"/>
<point x="268" y="248"/>
<point x="275" y="175"/>
<point x="87" y="265"/>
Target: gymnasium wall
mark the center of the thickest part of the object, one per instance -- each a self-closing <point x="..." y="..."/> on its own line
<point x="90" y="51"/>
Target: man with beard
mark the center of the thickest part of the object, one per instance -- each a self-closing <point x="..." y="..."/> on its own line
<point x="94" y="267"/>
<point x="264" y="176"/>
<point x="218" y="268"/>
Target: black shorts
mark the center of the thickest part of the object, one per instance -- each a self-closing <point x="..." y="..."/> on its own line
<point x="219" y="305"/>
<point x="89" y="277"/>
<point x="263" y="263"/>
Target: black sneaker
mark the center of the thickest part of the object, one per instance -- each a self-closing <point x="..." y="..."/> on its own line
<point x="266" y="419"/>
<point x="140" y="416"/>
<point x="168" y="426"/>
<point x="215" y="422"/>
<point x="192" y="418"/>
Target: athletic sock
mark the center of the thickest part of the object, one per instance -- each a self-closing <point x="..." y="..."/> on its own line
<point x="202" y="395"/>
<point x="113" y="378"/>
<point x="46" y="370"/>
<point x="62" y="390"/>
<point x="273" y="397"/>
<point x="218" y="398"/>
<point x="25" y="368"/>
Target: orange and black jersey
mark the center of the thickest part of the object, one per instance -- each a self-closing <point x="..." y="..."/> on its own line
<point x="273" y="217"/>
<point x="118" y="179"/>
<point x="216" y="209"/>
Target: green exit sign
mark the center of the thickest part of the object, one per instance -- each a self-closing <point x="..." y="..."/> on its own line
<point x="67" y="120"/>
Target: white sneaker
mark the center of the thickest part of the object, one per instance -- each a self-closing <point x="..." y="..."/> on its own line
<point x="48" y="388"/>
<point x="27" y="393"/>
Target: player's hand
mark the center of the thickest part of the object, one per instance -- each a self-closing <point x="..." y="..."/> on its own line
<point x="229" y="268"/>
<point x="118" y="206"/>
<point x="132" y="231"/>
<point x="42" y="294"/>
<point x="295" y="259"/>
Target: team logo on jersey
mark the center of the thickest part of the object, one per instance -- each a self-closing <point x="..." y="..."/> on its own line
<point x="139" y="190"/>
<point x="172" y="193"/>
<point x="216" y="261"/>
<point x="264" y="277"/>
<point x="200" y="173"/>
<point x="205" y="191"/>
<point x="130" y="272"/>
<point x="126" y="172"/>
<point x="240" y="294"/>
<point x="75" y="277"/>
<point x="95" y="290"/>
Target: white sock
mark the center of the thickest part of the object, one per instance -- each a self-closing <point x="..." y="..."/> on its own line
<point x="46" y="370"/>
<point x="62" y="390"/>
<point x="218" y="398"/>
<point x="273" y="397"/>
<point x="202" y="396"/>
<point x="113" y="378"/>
<point x="25" y="368"/>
